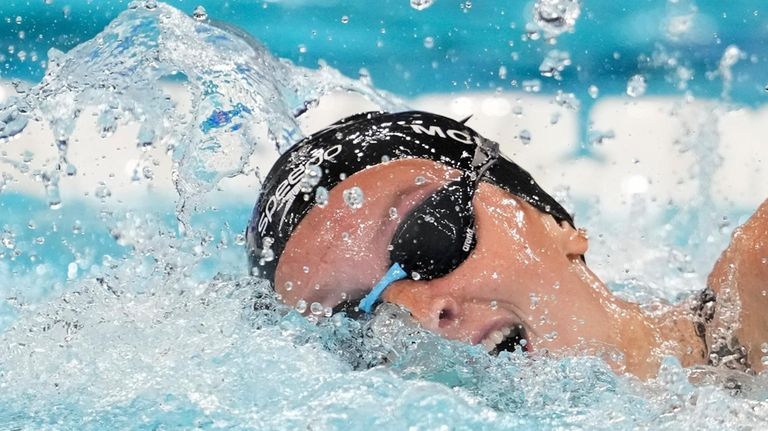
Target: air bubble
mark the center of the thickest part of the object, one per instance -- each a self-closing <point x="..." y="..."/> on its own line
<point x="392" y="213"/>
<point x="421" y="4"/>
<point x="288" y="286"/>
<point x="420" y="180"/>
<point x="429" y="42"/>
<point x="239" y="239"/>
<point x="354" y="197"/>
<point x="494" y="305"/>
<point x="415" y="275"/>
<point x="150" y="4"/>
<point x="344" y="19"/>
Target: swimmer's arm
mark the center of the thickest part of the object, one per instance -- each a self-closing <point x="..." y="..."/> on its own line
<point x="743" y="269"/>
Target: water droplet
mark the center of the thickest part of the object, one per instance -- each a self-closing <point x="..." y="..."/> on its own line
<point x="554" y="118"/>
<point x="415" y="276"/>
<point x="429" y="42"/>
<point x="316" y="308"/>
<point x="321" y="196"/>
<point x="200" y="14"/>
<point x="494" y="305"/>
<point x="327" y="311"/>
<point x="525" y="136"/>
<point x="534" y="300"/>
<point x="8" y="240"/>
<point x="288" y="286"/>
<point x="354" y="197"/>
<point x="344" y="19"/>
<point x="532" y="85"/>
<point x="239" y="239"/>
<point x="502" y="72"/>
<point x="305" y="269"/>
<point x="71" y="271"/>
<point x="593" y="91"/>
<point x="267" y="254"/>
<point x="421" y="4"/>
<point x="420" y="180"/>
<point x="77" y="228"/>
<point x="555" y="17"/>
<point x="392" y="213"/>
<point x="39" y="240"/>
<point x="764" y="347"/>
<point x="554" y="64"/>
<point x="102" y="191"/>
<point x="311" y="178"/>
<point x="301" y="306"/>
<point x="150" y="4"/>
<point x="636" y="86"/>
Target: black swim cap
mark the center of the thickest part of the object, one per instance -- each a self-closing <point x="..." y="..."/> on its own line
<point x="304" y="174"/>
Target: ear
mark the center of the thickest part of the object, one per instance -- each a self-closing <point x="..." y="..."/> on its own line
<point x="573" y="242"/>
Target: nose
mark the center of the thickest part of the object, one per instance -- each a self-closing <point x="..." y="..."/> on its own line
<point x="435" y="312"/>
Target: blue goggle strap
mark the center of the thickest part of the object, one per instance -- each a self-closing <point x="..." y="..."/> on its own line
<point x="394" y="274"/>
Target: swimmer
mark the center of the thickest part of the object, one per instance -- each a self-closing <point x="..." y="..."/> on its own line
<point x="419" y="210"/>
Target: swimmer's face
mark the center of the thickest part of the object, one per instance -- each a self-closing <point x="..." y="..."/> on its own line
<point x="524" y="272"/>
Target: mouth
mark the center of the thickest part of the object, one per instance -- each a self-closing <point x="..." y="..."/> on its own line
<point x="509" y="339"/>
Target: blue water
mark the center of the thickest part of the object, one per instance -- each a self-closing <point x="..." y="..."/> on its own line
<point x="470" y="43"/>
<point x="115" y="317"/>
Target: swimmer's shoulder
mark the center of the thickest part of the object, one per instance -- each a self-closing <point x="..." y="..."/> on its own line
<point x="740" y="276"/>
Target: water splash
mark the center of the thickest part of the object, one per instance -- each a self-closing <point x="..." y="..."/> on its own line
<point x="421" y="4"/>
<point x="241" y="96"/>
<point x="556" y="17"/>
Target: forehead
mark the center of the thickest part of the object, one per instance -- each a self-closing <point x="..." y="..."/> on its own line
<point x="342" y="246"/>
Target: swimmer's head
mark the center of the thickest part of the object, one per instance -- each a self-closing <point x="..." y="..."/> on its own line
<point x="379" y="207"/>
<point x="434" y="237"/>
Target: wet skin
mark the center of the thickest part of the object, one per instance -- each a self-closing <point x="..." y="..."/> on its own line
<point x="526" y="269"/>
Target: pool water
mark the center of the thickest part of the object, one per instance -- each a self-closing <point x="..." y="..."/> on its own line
<point x="128" y="306"/>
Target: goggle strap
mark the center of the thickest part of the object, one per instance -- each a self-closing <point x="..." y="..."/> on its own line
<point x="394" y="274"/>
